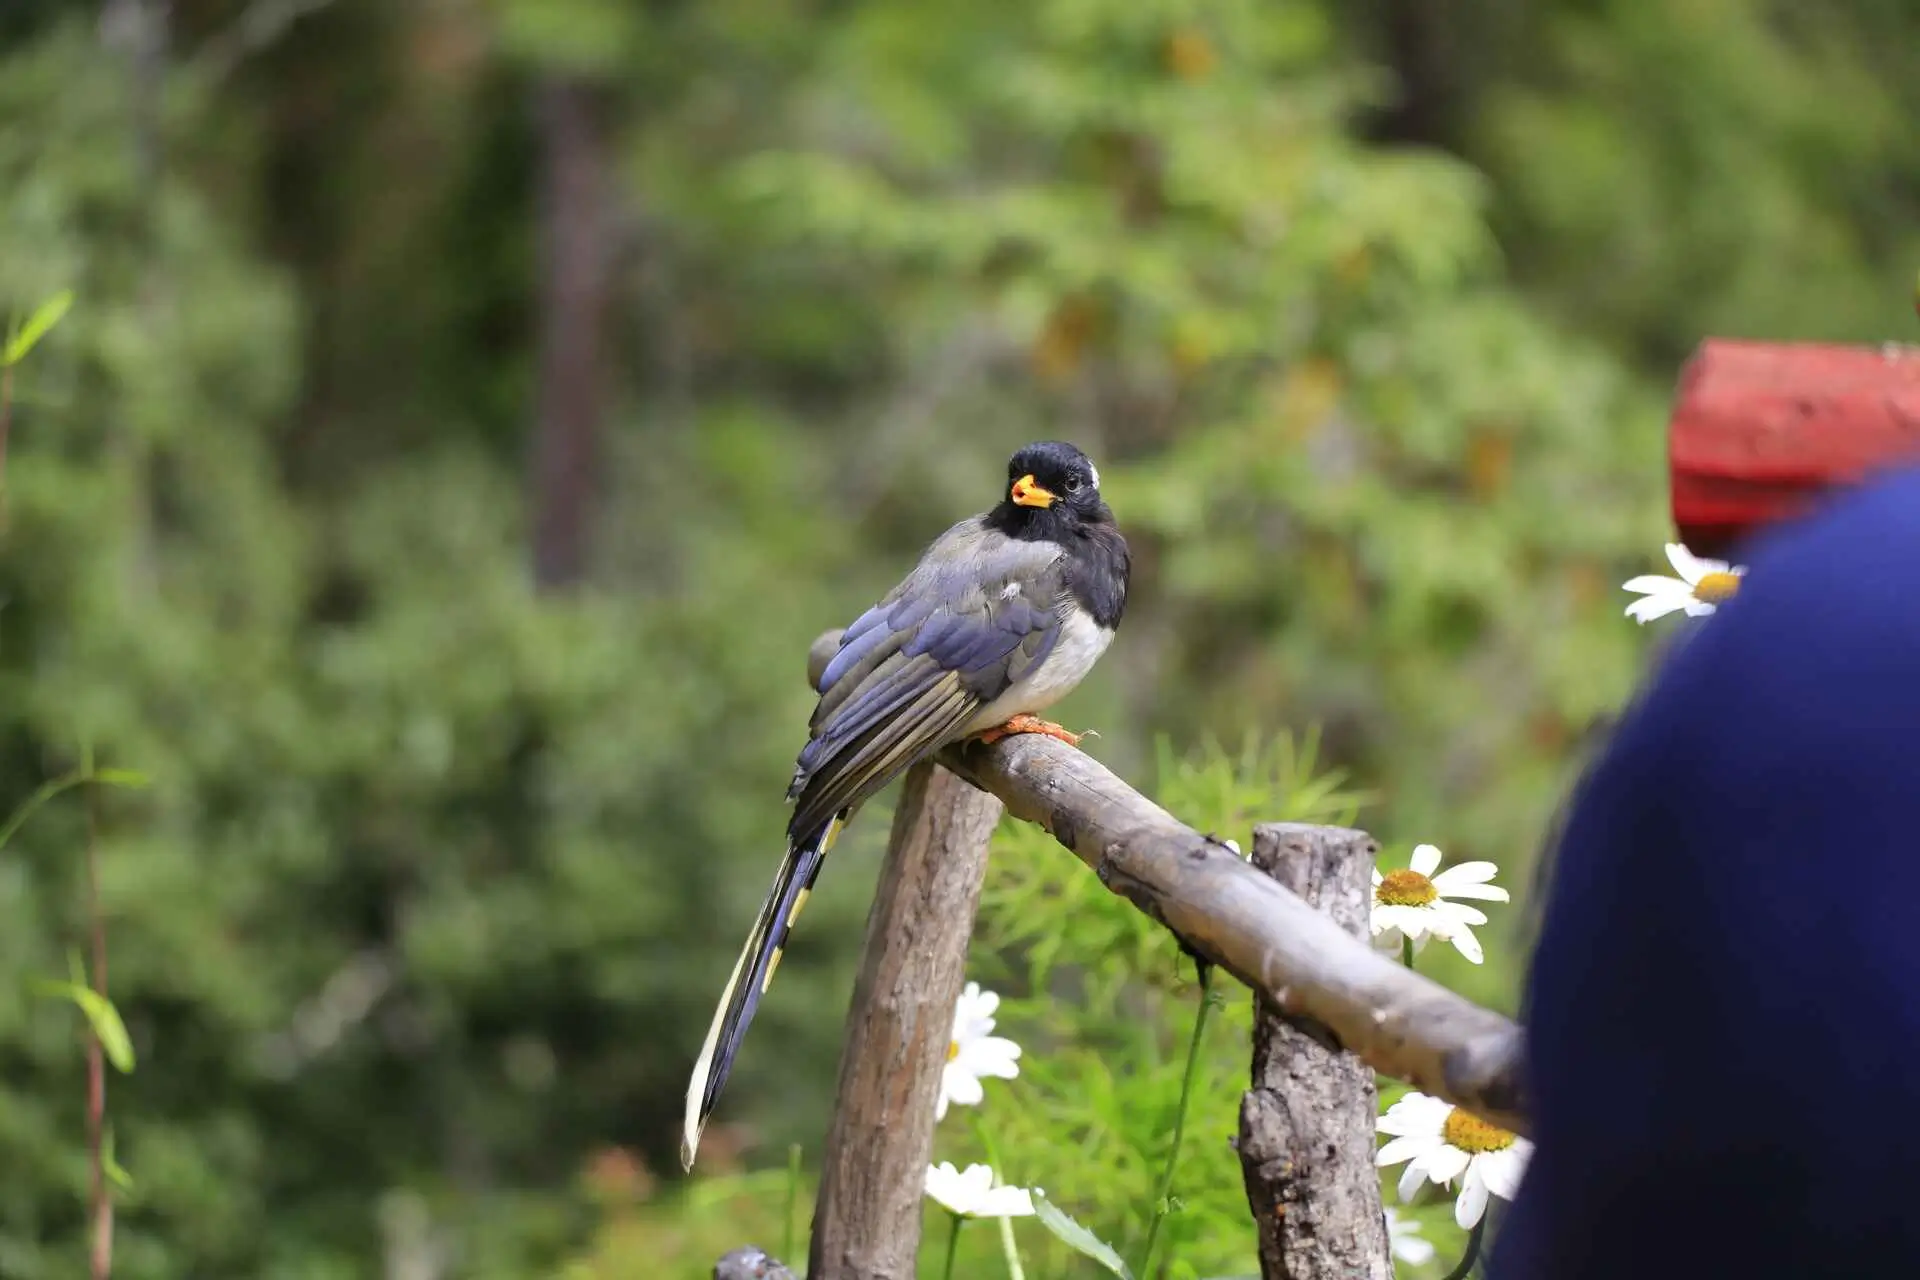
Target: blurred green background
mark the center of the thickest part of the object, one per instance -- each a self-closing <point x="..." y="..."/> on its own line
<point x="471" y="409"/>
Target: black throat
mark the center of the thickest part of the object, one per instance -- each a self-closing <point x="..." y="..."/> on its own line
<point x="1098" y="561"/>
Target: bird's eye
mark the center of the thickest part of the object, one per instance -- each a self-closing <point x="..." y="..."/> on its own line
<point x="1073" y="484"/>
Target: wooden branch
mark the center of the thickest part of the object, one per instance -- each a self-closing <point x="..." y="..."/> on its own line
<point x="1396" y="1021"/>
<point x="1307" y="1125"/>
<point x="866" y="1224"/>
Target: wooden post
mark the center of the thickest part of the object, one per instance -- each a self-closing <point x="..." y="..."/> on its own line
<point x="1307" y="1125"/>
<point x="866" y="1223"/>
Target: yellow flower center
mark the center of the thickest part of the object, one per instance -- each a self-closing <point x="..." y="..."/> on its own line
<point x="1716" y="588"/>
<point x="1405" y="888"/>
<point x="953" y="1050"/>
<point x="1469" y="1133"/>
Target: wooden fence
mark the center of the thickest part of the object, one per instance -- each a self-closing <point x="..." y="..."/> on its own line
<point x="1290" y="922"/>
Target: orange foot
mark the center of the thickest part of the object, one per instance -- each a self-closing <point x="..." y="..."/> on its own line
<point x="1031" y="724"/>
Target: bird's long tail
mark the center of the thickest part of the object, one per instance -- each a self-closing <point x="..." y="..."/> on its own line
<point x="752" y="975"/>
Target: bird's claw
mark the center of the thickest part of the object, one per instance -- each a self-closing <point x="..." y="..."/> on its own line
<point x="1033" y="724"/>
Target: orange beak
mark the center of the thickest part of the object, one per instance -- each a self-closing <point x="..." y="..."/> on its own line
<point x="1025" y="493"/>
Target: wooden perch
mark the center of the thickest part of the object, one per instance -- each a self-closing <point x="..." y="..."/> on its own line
<point x="866" y="1223"/>
<point x="1307" y="1126"/>
<point x="1396" y="1021"/>
<point x="1761" y="430"/>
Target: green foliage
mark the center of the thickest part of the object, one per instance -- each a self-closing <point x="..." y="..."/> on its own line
<point x="102" y="1018"/>
<point x="22" y="338"/>
<point x="1102" y="1003"/>
<point x="1076" y="1237"/>
<point x="420" y="921"/>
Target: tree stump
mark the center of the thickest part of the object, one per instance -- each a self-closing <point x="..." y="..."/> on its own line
<point x="1307" y="1125"/>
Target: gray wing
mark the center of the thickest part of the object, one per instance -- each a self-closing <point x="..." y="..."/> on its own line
<point x="980" y="611"/>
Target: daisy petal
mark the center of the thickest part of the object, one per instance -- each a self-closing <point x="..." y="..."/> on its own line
<point x="1426" y="858"/>
<point x="1459" y="912"/>
<point x="1406" y="1148"/>
<point x="1412" y="1250"/>
<point x="1412" y="921"/>
<point x="1503" y="1171"/>
<point x="1410" y="1181"/>
<point x="1465" y="873"/>
<point x="1472" y="1203"/>
<point x="1483" y="892"/>
<point x="1646" y="610"/>
<point x="1692" y="567"/>
<point x="1416" y="1112"/>
<point x="1652" y="584"/>
<point x="1446" y="1163"/>
<point x="962" y="1087"/>
<point x="1466" y="944"/>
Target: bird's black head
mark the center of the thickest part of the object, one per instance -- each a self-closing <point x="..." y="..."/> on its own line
<point x="1051" y="487"/>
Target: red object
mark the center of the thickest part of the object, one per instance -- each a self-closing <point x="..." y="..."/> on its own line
<point x="1760" y="430"/>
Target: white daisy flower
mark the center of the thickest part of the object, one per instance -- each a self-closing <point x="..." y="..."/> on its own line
<point x="973" y="1195"/>
<point x="974" y="1053"/>
<point x="1412" y="902"/>
<point x="1703" y="585"/>
<point x="1441" y="1142"/>
<point x="1405" y="1241"/>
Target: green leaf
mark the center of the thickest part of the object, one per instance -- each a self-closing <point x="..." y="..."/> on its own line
<point x="46" y="792"/>
<point x="118" y="1176"/>
<point x="1077" y="1237"/>
<point x="44" y="317"/>
<point x="131" y="778"/>
<point x="101" y="1016"/>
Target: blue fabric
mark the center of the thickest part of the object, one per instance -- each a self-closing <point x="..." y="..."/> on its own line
<point x="1723" y="1014"/>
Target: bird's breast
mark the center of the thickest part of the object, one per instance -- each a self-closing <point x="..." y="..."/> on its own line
<point x="1081" y="642"/>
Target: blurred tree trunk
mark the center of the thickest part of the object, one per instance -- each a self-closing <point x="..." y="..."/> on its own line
<point x="139" y="31"/>
<point x="1420" y="48"/>
<point x="577" y="229"/>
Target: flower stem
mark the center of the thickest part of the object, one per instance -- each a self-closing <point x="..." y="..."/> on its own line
<point x="101" y="1255"/>
<point x="1007" y="1247"/>
<point x="1406" y="951"/>
<point x="1160" y="1200"/>
<point x="1472" y="1254"/>
<point x="953" y="1247"/>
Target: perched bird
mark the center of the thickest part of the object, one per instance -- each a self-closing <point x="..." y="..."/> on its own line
<point x="1005" y="613"/>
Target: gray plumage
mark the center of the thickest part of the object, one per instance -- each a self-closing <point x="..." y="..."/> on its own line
<point x="982" y="614"/>
<point x="1003" y="615"/>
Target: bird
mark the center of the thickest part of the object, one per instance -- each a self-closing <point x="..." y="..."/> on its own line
<point x="1003" y="615"/>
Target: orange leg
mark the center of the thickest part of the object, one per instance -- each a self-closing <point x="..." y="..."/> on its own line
<point x="1031" y="724"/>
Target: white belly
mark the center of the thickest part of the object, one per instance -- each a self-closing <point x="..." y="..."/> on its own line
<point x="1080" y="645"/>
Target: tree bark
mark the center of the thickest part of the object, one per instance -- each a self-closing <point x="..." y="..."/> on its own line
<point x="866" y="1223"/>
<point x="577" y="233"/>
<point x="1307" y="1125"/>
